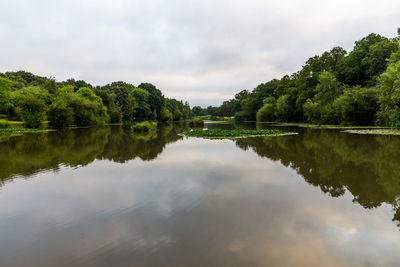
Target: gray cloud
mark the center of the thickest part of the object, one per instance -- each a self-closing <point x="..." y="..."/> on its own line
<point x="200" y="51"/>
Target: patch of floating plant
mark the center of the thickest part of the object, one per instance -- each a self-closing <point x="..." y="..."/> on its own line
<point x="375" y="131"/>
<point x="22" y="130"/>
<point x="233" y="134"/>
<point x="327" y="126"/>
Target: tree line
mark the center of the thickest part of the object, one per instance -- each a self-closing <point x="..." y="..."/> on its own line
<point x="34" y="100"/>
<point x="361" y="87"/>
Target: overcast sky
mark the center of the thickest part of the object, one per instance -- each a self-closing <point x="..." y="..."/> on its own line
<point x="200" y="51"/>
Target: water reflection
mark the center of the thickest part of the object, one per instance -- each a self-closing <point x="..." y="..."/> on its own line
<point x="31" y="153"/>
<point x="201" y="202"/>
<point x="366" y="165"/>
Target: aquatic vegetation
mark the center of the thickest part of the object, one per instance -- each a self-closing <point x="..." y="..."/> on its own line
<point x="144" y="127"/>
<point x="215" y="118"/>
<point x="11" y="123"/>
<point x="375" y="131"/>
<point x="4" y="124"/>
<point x="22" y="130"/>
<point x="328" y="126"/>
<point x="221" y="134"/>
<point x="196" y="122"/>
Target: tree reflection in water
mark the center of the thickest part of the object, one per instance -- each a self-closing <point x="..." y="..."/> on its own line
<point x="31" y="153"/>
<point x="365" y="165"/>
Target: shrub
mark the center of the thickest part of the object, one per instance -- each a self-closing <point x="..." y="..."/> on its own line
<point x="243" y="115"/>
<point x="196" y="122"/>
<point x="144" y="127"/>
<point x="166" y="115"/>
<point x="87" y="112"/>
<point x="33" y="111"/>
<point x="4" y="124"/>
<point x="115" y="116"/>
<point x="60" y="115"/>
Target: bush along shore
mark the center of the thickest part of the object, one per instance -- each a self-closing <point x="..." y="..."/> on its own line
<point x="196" y="123"/>
<point x="144" y="127"/>
<point x="233" y="134"/>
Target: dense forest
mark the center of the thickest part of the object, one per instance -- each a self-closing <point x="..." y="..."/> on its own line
<point x="361" y="87"/>
<point x="34" y="100"/>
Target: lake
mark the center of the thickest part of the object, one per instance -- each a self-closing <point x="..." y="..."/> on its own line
<point x="104" y="197"/>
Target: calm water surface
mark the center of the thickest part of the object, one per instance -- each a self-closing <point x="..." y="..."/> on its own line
<point x="103" y="197"/>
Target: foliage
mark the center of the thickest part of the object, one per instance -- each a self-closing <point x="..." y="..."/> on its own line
<point x="4" y="124"/>
<point x="141" y="108"/>
<point x="356" y="105"/>
<point x="155" y="100"/>
<point x="283" y="108"/>
<point x="333" y="88"/>
<point x="5" y="88"/>
<point x="215" y="118"/>
<point x="196" y="122"/>
<point x="166" y="115"/>
<point x="90" y="105"/>
<point x="87" y="112"/>
<point x="243" y="115"/>
<point x="60" y="115"/>
<point x="33" y="111"/>
<point x="179" y="110"/>
<point x="267" y="112"/>
<point x="115" y="115"/>
<point x="144" y="127"/>
<point x="389" y="96"/>
<point x="197" y="111"/>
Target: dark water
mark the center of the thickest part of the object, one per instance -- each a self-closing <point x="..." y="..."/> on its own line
<point x="103" y="197"/>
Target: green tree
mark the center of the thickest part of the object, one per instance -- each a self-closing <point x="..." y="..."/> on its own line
<point x="33" y="111"/>
<point x="142" y="109"/>
<point x="367" y="59"/>
<point x="60" y="115"/>
<point x="389" y="96"/>
<point x="65" y="90"/>
<point x="155" y="99"/>
<point x="356" y="106"/>
<point x="283" y="108"/>
<point x="166" y="115"/>
<point x="88" y="94"/>
<point x="327" y="89"/>
<point x="267" y="112"/>
<point x="312" y="111"/>
<point x="5" y="89"/>
<point x="197" y="111"/>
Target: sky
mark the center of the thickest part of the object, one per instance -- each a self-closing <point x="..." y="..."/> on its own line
<point x="198" y="51"/>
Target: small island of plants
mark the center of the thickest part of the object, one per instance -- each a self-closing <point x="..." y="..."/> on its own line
<point x="144" y="127"/>
<point x="7" y="128"/>
<point x="196" y="122"/>
<point x="222" y="134"/>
